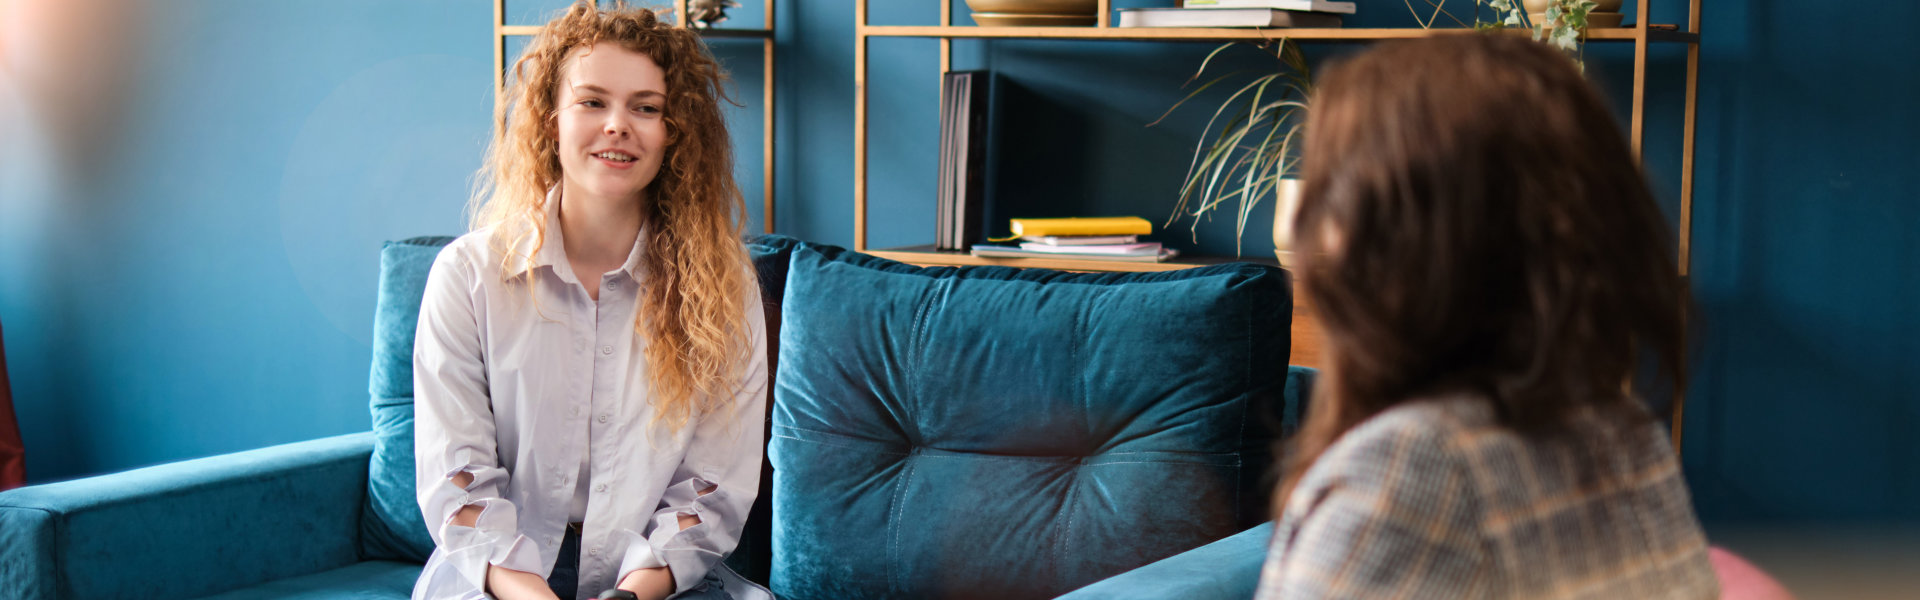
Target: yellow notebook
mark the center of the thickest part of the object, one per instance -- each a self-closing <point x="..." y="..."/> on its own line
<point x="1082" y="226"/>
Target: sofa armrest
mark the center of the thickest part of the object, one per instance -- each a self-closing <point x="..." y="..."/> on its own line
<point x="190" y="528"/>
<point x="1228" y="568"/>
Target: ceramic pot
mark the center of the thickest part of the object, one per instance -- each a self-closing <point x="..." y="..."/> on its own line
<point x="1288" y="204"/>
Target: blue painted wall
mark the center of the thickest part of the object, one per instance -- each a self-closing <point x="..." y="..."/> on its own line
<point x="200" y="279"/>
<point x="188" y="260"/>
<point x="204" y="283"/>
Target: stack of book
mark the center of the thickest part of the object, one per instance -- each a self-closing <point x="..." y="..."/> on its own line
<point x="1241" y="13"/>
<point x="963" y="149"/>
<point x="1104" y="238"/>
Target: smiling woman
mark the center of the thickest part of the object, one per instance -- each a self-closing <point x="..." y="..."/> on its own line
<point x="612" y="133"/>
<point x="622" y="448"/>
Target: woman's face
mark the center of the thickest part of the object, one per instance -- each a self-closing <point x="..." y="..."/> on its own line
<point x="611" y="107"/>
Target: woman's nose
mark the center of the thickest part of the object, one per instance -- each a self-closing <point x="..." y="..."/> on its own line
<point x="617" y="127"/>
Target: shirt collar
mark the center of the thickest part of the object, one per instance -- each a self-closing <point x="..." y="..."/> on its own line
<point x="553" y="251"/>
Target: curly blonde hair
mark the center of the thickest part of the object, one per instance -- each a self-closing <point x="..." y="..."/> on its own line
<point x="694" y="305"/>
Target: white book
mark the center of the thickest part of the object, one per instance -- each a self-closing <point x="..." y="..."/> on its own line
<point x="1226" y="17"/>
<point x="1081" y="240"/>
<point x="1143" y="249"/>
<point x="987" y="251"/>
<point x="1327" y="6"/>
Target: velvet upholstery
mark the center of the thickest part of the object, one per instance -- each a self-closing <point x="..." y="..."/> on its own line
<point x="190" y="528"/>
<point x="393" y="528"/>
<point x="1006" y="433"/>
<point x="1228" y="568"/>
<point x="369" y="580"/>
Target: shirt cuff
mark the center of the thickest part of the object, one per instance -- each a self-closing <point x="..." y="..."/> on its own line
<point x="493" y="540"/>
<point x="689" y="553"/>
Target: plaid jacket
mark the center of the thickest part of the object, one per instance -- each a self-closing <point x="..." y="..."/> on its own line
<point x="1432" y="499"/>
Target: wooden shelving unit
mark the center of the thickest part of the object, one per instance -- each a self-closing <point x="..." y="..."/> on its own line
<point x="1642" y="35"/>
<point x="501" y="31"/>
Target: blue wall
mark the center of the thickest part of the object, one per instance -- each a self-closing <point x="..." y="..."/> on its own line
<point x="1807" y="266"/>
<point x="200" y="279"/>
<point x="188" y="261"/>
<point x="204" y="282"/>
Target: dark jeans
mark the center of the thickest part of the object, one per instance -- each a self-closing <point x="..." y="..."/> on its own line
<point x="566" y="568"/>
<point x="565" y="578"/>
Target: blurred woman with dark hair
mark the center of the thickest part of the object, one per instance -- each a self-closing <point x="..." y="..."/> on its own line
<point x="1489" y="267"/>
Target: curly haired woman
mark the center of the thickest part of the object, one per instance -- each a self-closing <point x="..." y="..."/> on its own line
<point x="590" y="365"/>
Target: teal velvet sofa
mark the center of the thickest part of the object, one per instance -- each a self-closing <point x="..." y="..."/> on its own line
<point x="935" y="433"/>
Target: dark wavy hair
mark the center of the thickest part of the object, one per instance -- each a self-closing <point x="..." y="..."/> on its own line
<point x="698" y="274"/>
<point x="1473" y="222"/>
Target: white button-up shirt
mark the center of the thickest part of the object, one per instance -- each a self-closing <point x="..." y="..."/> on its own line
<point x="518" y="389"/>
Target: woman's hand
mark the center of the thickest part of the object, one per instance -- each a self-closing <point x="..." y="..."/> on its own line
<point x="649" y="584"/>
<point x="507" y="584"/>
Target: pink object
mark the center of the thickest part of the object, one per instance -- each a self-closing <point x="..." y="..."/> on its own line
<point x="1741" y="580"/>
<point x="13" y="461"/>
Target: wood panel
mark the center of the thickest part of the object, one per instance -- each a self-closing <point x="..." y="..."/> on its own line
<point x="1306" y="338"/>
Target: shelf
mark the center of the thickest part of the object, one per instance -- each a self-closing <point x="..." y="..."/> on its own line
<point x="926" y="256"/>
<point x="1358" y="34"/>
<point x="756" y="34"/>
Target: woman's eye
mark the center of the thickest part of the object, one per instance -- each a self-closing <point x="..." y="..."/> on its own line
<point x="649" y="109"/>
<point x="590" y="103"/>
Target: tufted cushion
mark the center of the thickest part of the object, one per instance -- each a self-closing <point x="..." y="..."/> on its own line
<point x="999" y="433"/>
<point x="391" y="526"/>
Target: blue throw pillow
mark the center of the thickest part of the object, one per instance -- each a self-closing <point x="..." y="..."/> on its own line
<point x="989" y="432"/>
<point x="391" y="527"/>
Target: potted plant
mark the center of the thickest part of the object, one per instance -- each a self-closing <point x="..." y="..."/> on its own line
<point x="1254" y="152"/>
<point x="1249" y="149"/>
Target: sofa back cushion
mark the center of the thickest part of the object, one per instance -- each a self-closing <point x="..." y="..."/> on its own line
<point x="989" y="432"/>
<point x="753" y="557"/>
<point x="391" y="527"/>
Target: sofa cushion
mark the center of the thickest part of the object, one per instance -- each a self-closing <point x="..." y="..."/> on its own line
<point x="753" y="557"/>
<point x="1228" y="568"/>
<point x="370" y="580"/>
<point x="988" y="432"/>
<point x="391" y="526"/>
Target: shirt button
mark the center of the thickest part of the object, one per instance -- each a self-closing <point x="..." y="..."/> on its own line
<point x="606" y="350"/>
<point x="576" y="411"/>
<point x="603" y="418"/>
<point x="600" y="488"/>
<point x="593" y="552"/>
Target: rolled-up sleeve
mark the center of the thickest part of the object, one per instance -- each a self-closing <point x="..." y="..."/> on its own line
<point x="724" y="454"/>
<point x="454" y="431"/>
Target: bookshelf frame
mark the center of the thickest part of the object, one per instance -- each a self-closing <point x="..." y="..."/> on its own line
<point x="501" y="31"/>
<point x="1642" y="34"/>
